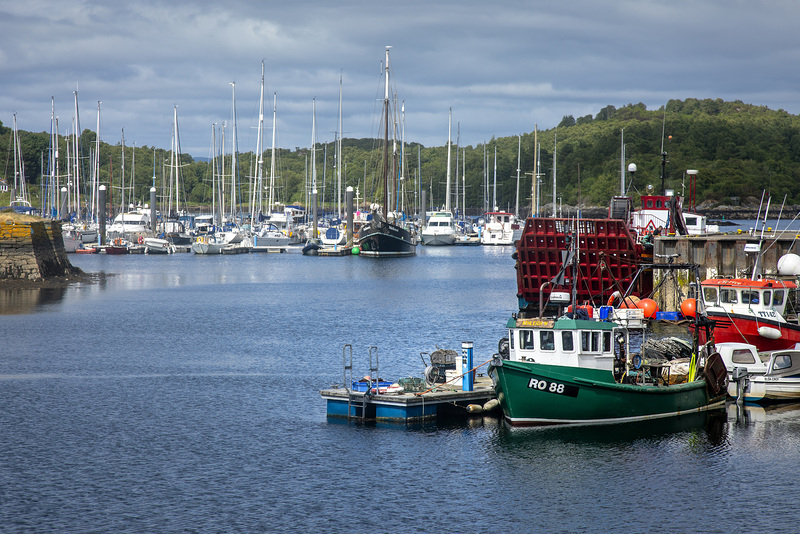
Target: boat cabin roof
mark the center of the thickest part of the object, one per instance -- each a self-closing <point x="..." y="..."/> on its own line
<point x="744" y="283"/>
<point x="784" y="363"/>
<point x="562" y="323"/>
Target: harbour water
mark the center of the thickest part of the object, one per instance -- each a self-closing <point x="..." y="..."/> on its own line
<point x="180" y="393"/>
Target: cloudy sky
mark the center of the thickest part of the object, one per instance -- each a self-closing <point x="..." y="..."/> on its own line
<point x="501" y="66"/>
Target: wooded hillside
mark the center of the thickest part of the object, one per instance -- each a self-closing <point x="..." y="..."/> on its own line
<point x="738" y="149"/>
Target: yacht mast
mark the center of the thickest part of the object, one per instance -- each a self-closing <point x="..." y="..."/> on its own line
<point x="449" y="129"/>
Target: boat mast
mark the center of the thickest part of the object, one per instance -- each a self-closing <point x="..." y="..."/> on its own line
<point x="494" y="185"/>
<point x="272" y="162"/>
<point x="313" y="147"/>
<point x="555" y="145"/>
<point x="96" y="174"/>
<point x="256" y="196"/>
<point x="234" y="150"/>
<point x="76" y="151"/>
<point x="449" y="130"/>
<point x="386" y="139"/>
<point x="339" y="156"/>
<point x="519" y="156"/>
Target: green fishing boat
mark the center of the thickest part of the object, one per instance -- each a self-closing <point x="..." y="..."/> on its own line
<point x="541" y="394"/>
<point x="597" y="366"/>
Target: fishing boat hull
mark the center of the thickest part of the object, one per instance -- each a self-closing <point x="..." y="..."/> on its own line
<point x="383" y="239"/>
<point x="539" y="394"/>
<point x="766" y="334"/>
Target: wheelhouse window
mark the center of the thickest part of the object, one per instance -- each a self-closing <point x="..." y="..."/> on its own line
<point x="606" y="341"/>
<point x="547" y="340"/>
<point x="526" y="339"/>
<point x="567" y="342"/>
<point x="710" y="295"/>
<point x="766" y="297"/>
<point x="590" y="341"/>
<point x="750" y="297"/>
<point x="728" y="296"/>
<point x="777" y="298"/>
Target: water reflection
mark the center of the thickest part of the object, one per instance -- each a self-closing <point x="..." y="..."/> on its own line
<point x="29" y="300"/>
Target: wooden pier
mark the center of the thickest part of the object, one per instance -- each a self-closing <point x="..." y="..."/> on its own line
<point x="444" y="400"/>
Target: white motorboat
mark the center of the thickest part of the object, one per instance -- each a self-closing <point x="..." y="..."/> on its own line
<point x="498" y="228"/>
<point x="440" y="230"/>
<point x="761" y="377"/>
<point x="155" y="245"/>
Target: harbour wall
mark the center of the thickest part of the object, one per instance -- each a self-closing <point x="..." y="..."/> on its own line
<point x="32" y="250"/>
<point x="717" y="255"/>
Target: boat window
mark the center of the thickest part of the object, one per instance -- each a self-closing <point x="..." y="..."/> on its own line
<point x="784" y="361"/>
<point x="658" y="203"/>
<point x="710" y="295"/>
<point x="590" y="341"/>
<point x="606" y="341"/>
<point x="777" y="298"/>
<point x="690" y="221"/>
<point x="728" y="296"/>
<point x="649" y="203"/>
<point x="742" y="356"/>
<point x="526" y="339"/>
<point x="767" y="297"/>
<point x="511" y="339"/>
<point x="567" y="344"/>
<point x="749" y="297"/>
<point x="547" y="340"/>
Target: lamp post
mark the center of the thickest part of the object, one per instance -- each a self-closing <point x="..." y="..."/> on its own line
<point x="631" y="171"/>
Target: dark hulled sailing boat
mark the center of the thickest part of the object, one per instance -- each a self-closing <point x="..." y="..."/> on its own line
<point x="381" y="237"/>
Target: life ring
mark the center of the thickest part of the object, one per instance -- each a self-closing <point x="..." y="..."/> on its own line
<point x="612" y="298"/>
<point x="117" y="241"/>
<point x="141" y="240"/>
<point x="199" y="239"/>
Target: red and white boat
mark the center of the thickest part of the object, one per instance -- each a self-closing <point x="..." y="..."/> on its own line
<point x="751" y="311"/>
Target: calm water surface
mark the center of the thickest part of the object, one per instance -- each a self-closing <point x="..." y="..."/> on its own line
<point x="181" y="393"/>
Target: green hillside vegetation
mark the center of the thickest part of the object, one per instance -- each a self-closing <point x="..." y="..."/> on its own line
<point x="739" y="150"/>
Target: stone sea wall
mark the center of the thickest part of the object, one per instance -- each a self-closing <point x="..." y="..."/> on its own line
<point x="32" y="250"/>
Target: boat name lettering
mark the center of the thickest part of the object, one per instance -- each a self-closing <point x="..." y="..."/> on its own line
<point x="767" y="313"/>
<point x="536" y="323"/>
<point x="548" y="386"/>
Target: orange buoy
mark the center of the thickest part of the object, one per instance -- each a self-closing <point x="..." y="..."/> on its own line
<point x="649" y="307"/>
<point x="629" y="302"/>
<point x="688" y="307"/>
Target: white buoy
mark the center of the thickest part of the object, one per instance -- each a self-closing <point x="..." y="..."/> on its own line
<point x="789" y="265"/>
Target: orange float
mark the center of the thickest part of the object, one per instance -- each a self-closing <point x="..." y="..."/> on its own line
<point x="629" y="302"/>
<point x="649" y="307"/>
<point x="689" y="307"/>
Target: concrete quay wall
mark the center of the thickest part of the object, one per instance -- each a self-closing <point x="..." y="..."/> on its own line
<point x="32" y="250"/>
<point x="720" y="255"/>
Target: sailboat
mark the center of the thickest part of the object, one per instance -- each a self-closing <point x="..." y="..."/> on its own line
<point x="380" y="237"/>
